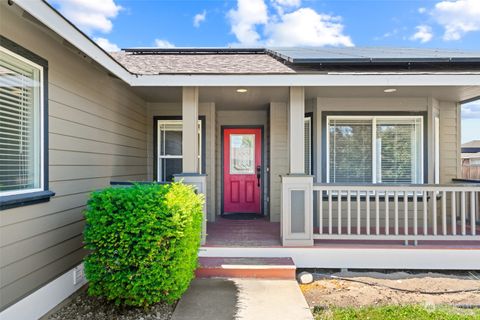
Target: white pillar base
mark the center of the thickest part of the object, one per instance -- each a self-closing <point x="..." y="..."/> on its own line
<point x="200" y="182"/>
<point x="297" y="210"/>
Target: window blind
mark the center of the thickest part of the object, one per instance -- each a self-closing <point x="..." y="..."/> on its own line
<point x="19" y="125"/>
<point x="350" y="151"/>
<point x="398" y="150"/>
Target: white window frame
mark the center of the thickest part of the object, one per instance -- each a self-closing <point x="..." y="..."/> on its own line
<point x="41" y="117"/>
<point x="374" y="142"/>
<point x="159" y="177"/>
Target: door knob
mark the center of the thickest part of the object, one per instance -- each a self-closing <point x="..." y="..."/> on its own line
<point x="259" y="175"/>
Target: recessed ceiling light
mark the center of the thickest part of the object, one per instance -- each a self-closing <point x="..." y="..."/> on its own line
<point x="241" y="90"/>
<point x="390" y="90"/>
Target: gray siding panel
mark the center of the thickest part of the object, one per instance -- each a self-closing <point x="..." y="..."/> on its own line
<point x="97" y="133"/>
<point x="279" y="155"/>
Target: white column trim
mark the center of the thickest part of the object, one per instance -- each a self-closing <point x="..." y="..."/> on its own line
<point x="296" y="140"/>
<point x="190" y="130"/>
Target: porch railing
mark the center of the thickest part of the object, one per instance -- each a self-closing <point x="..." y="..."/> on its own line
<point x="396" y="212"/>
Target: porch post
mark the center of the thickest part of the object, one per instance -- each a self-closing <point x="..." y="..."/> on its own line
<point x="297" y="187"/>
<point x="296" y="115"/>
<point x="190" y="130"/>
<point x="191" y="169"/>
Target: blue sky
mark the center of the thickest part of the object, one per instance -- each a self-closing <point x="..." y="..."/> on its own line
<point x="116" y="24"/>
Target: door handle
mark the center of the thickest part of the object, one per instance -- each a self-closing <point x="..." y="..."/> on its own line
<point x="259" y="175"/>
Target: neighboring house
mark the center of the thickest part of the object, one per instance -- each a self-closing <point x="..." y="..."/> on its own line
<point x="471" y="146"/>
<point x="347" y="153"/>
<point x="471" y="160"/>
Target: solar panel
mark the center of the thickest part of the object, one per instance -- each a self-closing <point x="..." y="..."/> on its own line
<point x="372" y="55"/>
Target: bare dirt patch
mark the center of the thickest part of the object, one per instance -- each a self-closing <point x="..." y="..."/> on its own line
<point x="325" y="291"/>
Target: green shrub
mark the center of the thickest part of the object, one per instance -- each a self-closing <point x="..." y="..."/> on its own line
<point x="144" y="242"/>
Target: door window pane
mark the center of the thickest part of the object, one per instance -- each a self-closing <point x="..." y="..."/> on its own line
<point x="242" y="154"/>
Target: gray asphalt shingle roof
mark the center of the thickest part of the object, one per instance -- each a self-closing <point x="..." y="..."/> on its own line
<point x="200" y="63"/>
<point x="152" y="61"/>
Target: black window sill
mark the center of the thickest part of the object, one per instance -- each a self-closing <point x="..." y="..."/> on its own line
<point x="25" y="199"/>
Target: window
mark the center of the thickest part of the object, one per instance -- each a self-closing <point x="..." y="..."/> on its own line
<point x="169" y="148"/>
<point x="365" y="149"/>
<point x="21" y="125"/>
<point x="242" y="154"/>
<point x="308" y="144"/>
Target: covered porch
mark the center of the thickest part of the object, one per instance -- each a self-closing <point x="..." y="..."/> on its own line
<point x="302" y="203"/>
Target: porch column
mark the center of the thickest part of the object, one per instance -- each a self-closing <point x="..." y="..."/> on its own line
<point x="297" y="187"/>
<point x="191" y="170"/>
<point x="190" y="130"/>
<point x="296" y="115"/>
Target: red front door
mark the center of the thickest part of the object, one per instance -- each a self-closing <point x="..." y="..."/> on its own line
<point x="242" y="154"/>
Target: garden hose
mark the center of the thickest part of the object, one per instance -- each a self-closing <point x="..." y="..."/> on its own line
<point x="400" y="289"/>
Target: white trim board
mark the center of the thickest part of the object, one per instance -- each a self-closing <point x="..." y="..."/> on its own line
<point x="44" y="299"/>
<point x="326" y="80"/>
<point x="360" y="258"/>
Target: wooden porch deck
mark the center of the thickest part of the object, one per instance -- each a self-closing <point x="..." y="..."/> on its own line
<point x="261" y="233"/>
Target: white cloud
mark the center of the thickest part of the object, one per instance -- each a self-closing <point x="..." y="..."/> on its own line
<point x="471" y="110"/>
<point x="245" y="18"/>
<point x="457" y="17"/>
<point x="161" y="43"/>
<point x="301" y="27"/>
<point x="306" y="27"/>
<point x="106" y="44"/>
<point x="424" y="34"/>
<point x="199" y="18"/>
<point x="422" y="10"/>
<point x="89" y="15"/>
<point x="288" y="3"/>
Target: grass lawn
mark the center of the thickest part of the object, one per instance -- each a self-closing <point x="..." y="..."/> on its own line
<point x="396" y="312"/>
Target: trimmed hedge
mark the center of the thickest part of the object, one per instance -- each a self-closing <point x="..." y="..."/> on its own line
<point x="144" y="242"/>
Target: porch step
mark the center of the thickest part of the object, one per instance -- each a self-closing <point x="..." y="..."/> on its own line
<point x="260" y="268"/>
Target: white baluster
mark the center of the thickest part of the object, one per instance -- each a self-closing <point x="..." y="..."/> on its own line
<point x="444" y="213"/>
<point x="462" y="213"/>
<point x="472" y="213"/>
<point x="349" y="212"/>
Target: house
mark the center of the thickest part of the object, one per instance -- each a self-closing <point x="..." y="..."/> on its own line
<point x="341" y="157"/>
<point x="471" y="146"/>
<point x="471" y="160"/>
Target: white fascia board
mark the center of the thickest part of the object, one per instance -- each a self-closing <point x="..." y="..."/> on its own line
<point x="44" y="13"/>
<point x="330" y="79"/>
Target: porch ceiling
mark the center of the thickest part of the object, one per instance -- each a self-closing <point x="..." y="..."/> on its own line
<point x="259" y="97"/>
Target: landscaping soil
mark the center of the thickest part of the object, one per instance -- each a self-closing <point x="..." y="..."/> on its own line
<point x="91" y="308"/>
<point x="326" y="292"/>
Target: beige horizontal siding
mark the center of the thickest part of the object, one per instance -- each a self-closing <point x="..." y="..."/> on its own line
<point x="449" y="141"/>
<point x="278" y="156"/>
<point x="97" y="133"/>
<point x="37" y="278"/>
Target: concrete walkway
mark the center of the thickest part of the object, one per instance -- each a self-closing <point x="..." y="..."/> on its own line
<point x="242" y="299"/>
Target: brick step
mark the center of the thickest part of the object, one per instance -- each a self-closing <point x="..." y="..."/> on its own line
<point x="262" y="268"/>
